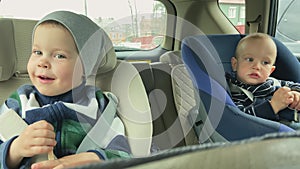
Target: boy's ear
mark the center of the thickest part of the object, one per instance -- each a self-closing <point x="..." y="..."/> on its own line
<point x="272" y="69"/>
<point x="233" y="63"/>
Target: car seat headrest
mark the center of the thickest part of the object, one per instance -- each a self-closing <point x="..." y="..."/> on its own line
<point x="287" y="65"/>
<point x="108" y="62"/>
<point x="15" y="46"/>
<point x="171" y="57"/>
<point x="7" y="51"/>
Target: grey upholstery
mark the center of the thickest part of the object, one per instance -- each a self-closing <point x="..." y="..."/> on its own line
<point x="167" y="130"/>
<point x="171" y="96"/>
<point x="15" y="48"/>
<point x="183" y="93"/>
<point x="188" y="103"/>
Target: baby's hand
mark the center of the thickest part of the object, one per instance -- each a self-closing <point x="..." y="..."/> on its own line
<point x="281" y="99"/>
<point x="37" y="138"/>
<point x="296" y="101"/>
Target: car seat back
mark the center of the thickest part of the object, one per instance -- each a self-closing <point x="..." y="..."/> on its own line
<point x="134" y="109"/>
<point x="188" y="102"/>
<point x="167" y="130"/>
<point x="15" y="49"/>
<point x="182" y="93"/>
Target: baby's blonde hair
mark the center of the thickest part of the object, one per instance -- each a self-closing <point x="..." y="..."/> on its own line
<point x="253" y="36"/>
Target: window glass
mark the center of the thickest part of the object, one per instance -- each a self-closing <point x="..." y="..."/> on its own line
<point x="243" y="12"/>
<point x="131" y="24"/>
<point x="288" y="22"/>
<point x="231" y="12"/>
<point x="235" y="12"/>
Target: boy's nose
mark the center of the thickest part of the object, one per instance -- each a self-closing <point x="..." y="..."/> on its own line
<point x="256" y="65"/>
<point x="44" y="64"/>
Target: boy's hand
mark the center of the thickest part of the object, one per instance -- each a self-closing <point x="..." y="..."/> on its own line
<point x="37" y="138"/>
<point x="296" y="101"/>
<point x="68" y="161"/>
<point x="281" y="99"/>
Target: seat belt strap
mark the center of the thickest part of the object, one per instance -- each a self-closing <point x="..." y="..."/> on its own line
<point x="249" y="94"/>
<point x="94" y="138"/>
<point x="276" y="81"/>
<point x="254" y="25"/>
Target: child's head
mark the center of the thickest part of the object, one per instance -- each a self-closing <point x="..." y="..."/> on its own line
<point x="67" y="48"/>
<point x="254" y="58"/>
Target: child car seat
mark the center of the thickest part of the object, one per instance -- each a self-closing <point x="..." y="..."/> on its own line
<point x="207" y="58"/>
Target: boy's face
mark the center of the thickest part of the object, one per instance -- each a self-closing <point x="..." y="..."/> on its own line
<point x="54" y="66"/>
<point x="255" y="60"/>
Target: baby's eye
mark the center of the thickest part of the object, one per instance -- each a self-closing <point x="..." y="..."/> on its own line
<point x="265" y="62"/>
<point x="249" y="59"/>
<point x="59" y="56"/>
<point x="37" y="52"/>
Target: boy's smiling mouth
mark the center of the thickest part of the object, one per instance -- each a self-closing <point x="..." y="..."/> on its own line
<point x="45" y="79"/>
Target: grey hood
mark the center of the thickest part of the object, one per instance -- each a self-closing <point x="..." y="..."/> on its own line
<point x="92" y="42"/>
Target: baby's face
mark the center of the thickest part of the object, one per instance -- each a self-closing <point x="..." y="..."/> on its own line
<point x="255" y="61"/>
<point x="54" y="66"/>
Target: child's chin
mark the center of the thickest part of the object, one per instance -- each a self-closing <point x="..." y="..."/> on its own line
<point x="49" y="93"/>
<point x="255" y="82"/>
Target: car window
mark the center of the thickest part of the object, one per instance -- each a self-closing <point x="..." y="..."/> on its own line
<point x="131" y="24"/>
<point x="234" y="10"/>
<point x="287" y="29"/>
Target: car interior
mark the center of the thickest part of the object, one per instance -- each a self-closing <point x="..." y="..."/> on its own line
<point x="174" y="103"/>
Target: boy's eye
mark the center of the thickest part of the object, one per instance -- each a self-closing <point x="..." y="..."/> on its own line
<point x="249" y="59"/>
<point x="37" y="52"/>
<point x="265" y="62"/>
<point x="59" y="56"/>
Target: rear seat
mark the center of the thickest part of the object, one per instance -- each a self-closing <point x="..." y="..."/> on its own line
<point x="116" y="76"/>
<point x="15" y="49"/>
